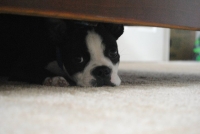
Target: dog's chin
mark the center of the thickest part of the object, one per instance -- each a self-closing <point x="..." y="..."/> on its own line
<point x="100" y="82"/>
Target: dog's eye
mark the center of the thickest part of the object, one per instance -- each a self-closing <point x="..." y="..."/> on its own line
<point x="78" y="60"/>
<point x="113" y="53"/>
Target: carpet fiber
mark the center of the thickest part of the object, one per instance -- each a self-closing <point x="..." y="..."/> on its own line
<point x="154" y="98"/>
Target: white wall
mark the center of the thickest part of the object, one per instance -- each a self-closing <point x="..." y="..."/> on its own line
<point x="144" y="44"/>
<point x="197" y="34"/>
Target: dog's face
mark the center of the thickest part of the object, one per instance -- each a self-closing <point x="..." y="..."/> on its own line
<point x="90" y="54"/>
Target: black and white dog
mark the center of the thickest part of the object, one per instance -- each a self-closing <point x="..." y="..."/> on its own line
<point x="59" y="52"/>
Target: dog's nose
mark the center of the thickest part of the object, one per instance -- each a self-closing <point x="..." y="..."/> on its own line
<point x="102" y="72"/>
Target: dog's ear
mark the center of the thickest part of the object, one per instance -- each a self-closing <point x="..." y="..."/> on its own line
<point x="115" y="29"/>
<point x="57" y="29"/>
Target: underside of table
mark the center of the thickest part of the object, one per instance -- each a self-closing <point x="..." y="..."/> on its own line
<point x="180" y="14"/>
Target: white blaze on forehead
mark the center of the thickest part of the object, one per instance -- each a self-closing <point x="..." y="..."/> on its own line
<point x="95" y="46"/>
<point x="96" y="49"/>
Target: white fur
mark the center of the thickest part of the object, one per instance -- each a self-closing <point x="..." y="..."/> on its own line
<point x="55" y="81"/>
<point x="96" y="49"/>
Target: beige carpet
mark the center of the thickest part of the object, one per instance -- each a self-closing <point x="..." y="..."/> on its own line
<point x="154" y="98"/>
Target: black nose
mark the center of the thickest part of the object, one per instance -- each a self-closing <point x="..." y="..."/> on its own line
<point x="102" y="72"/>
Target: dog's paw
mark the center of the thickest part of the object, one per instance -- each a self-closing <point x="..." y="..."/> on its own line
<point x="56" y="81"/>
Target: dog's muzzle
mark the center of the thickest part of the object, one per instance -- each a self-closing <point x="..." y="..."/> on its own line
<point x="102" y="74"/>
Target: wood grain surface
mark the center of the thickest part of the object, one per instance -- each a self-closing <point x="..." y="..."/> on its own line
<point x="181" y="14"/>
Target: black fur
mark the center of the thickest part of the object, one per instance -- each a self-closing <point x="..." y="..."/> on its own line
<point x="28" y="44"/>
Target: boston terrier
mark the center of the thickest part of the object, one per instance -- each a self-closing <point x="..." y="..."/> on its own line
<point x="59" y="52"/>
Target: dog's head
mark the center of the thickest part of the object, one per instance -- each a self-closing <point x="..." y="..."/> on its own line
<point x="89" y="52"/>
